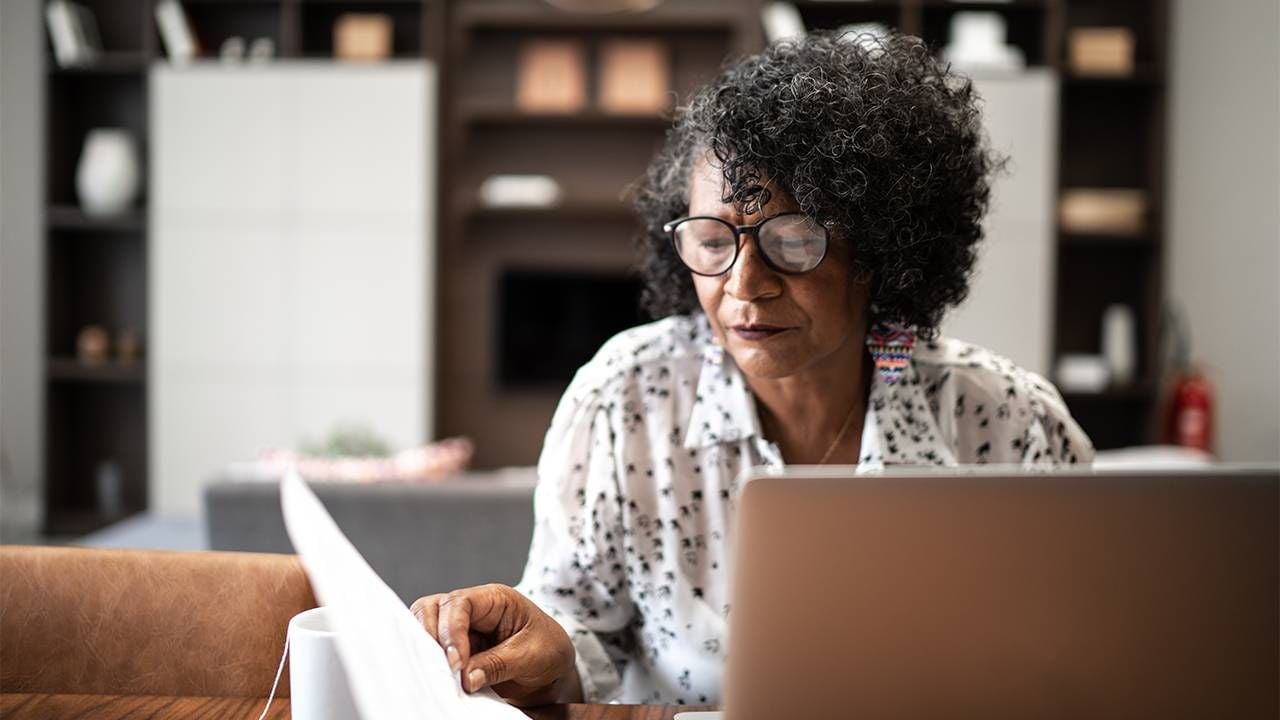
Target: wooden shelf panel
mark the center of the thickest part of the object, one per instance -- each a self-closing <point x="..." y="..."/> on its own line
<point x="1140" y="77"/>
<point x="68" y="369"/>
<point x="497" y="115"/>
<point x="995" y="5"/>
<point x="573" y="208"/>
<point x="70" y="217"/>
<point x="1107" y="240"/>
<point x="111" y="63"/>
<point x="673" y="18"/>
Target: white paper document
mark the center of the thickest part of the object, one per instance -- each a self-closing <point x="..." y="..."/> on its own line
<point x="396" y="669"/>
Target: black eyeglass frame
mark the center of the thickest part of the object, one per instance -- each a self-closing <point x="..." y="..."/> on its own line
<point x="738" y="231"/>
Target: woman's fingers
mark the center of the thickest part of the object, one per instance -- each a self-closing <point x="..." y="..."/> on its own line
<point x="427" y="610"/>
<point x="454" y="624"/>
<point x="495" y="637"/>
<point x="473" y="610"/>
<point x="494" y="666"/>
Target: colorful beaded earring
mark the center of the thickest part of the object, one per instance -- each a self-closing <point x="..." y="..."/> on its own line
<point x="890" y="347"/>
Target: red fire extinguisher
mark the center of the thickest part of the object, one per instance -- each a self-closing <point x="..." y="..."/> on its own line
<point x="1188" y="419"/>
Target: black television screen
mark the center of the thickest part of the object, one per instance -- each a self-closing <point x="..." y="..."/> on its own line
<point x="550" y="323"/>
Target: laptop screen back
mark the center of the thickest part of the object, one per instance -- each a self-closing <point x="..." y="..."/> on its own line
<point x="1079" y="595"/>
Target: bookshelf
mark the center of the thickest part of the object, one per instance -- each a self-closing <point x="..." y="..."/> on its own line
<point x="1110" y="135"/>
<point x="96" y="268"/>
<point x="581" y="246"/>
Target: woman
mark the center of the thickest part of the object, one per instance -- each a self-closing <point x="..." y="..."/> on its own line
<point x="814" y="212"/>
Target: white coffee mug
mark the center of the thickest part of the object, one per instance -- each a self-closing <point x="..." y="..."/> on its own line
<point x="318" y="686"/>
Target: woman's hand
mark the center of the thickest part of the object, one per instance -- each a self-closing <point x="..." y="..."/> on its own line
<point x="501" y="639"/>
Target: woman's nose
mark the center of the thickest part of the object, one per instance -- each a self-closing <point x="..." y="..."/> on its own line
<point x="750" y="278"/>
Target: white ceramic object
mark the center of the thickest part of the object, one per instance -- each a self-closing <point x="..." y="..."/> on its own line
<point x="867" y="34"/>
<point x="977" y="42"/>
<point x="1119" y="344"/>
<point x="519" y="191"/>
<point x="318" y="684"/>
<point x="108" y="176"/>
<point x="1083" y="373"/>
<point x="781" y="21"/>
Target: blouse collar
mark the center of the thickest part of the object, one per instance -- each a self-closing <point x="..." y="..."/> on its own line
<point x="900" y="427"/>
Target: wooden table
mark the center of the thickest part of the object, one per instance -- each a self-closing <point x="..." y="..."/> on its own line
<point x="23" y="706"/>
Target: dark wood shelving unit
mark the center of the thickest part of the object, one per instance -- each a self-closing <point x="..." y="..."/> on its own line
<point x="1111" y="135"/>
<point x="593" y="155"/>
<point x="96" y="268"/>
<point x="95" y="416"/>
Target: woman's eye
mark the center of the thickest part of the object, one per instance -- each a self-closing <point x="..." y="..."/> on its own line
<point x="714" y="244"/>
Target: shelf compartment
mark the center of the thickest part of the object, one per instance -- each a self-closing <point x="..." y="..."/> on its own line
<point x="100" y="282"/>
<point x="122" y="27"/>
<point x="1108" y="137"/>
<point x="214" y="22"/>
<point x="87" y="426"/>
<point x="485" y="74"/>
<point x="1117" y="417"/>
<point x="1024" y="26"/>
<point x="820" y="15"/>
<point x="1090" y="279"/>
<point x="80" y="102"/>
<point x="318" y="19"/>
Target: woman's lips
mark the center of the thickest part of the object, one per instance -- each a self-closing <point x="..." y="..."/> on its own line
<point x="757" y="331"/>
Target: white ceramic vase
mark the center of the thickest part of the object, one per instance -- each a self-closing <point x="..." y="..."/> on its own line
<point x="108" y="176"/>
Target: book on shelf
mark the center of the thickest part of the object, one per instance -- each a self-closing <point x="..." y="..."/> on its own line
<point x="73" y="32"/>
<point x="175" y="31"/>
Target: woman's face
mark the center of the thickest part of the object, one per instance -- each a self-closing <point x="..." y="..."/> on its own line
<point x="776" y="325"/>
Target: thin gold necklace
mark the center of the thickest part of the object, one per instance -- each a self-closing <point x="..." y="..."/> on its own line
<point x="843" y="429"/>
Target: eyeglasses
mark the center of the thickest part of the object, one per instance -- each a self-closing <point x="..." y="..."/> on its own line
<point x="790" y="243"/>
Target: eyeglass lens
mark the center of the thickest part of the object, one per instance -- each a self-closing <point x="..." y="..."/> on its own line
<point x="793" y="243"/>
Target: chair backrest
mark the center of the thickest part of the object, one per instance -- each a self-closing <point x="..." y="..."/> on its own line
<point x="128" y="622"/>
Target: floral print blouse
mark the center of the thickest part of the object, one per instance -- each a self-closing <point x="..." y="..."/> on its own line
<point x="641" y="470"/>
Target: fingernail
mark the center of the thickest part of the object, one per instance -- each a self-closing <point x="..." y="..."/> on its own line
<point x="476" y="678"/>
<point x="455" y="661"/>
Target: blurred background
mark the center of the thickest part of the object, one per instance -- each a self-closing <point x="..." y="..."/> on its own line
<point x="238" y="233"/>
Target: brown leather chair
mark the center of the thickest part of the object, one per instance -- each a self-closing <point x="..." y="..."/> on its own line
<point x="127" y="622"/>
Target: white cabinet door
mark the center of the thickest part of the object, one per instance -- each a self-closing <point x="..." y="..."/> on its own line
<point x="288" y="261"/>
<point x="1010" y="304"/>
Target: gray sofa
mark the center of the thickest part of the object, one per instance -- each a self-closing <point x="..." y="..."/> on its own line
<point x="421" y="539"/>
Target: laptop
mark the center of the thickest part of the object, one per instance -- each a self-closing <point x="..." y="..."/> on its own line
<point x="1002" y="594"/>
